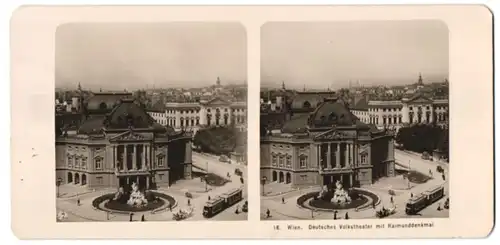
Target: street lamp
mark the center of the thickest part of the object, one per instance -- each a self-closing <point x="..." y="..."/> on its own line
<point x="58" y="183"/>
<point x="263" y="181"/>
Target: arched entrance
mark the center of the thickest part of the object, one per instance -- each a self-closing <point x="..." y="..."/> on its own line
<point x="282" y="177"/>
<point x="70" y="177"/>
<point x="84" y="179"/>
<point x="275" y="176"/>
<point x="77" y="179"/>
<point x="288" y="178"/>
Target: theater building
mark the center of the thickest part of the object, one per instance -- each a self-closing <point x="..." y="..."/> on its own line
<point x="118" y="143"/>
<point x="322" y="145"/>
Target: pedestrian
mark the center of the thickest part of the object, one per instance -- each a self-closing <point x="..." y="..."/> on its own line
<point x="142" y="218"/>
<point x="444" y="177"/>
<point x="335" y="215"/>
<point x="411" y="195"/>
<point x="237" y="209"/>
<point x="268" y="213"/>
<point x="78" y="202"/>
<point x="392" y="199"/>
<point x="439" y="207"/>
<point x="283" y="200"/>
<point x="169" y="207"/>
<point x="346" y="215"/>
<point x="131" y="214"/>
<point x="430" y="172"/>
<point x="209" y="198"/>
<point x="189" y="202"/>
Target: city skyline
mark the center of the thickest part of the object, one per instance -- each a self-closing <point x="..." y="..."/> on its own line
<point x="332" y="54"/>
<point x="133" y="56"/>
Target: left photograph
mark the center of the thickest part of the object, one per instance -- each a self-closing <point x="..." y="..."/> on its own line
<point x="151" y="122"/>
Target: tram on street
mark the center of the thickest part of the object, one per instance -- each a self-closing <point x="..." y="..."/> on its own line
<point x="222" y="202"/>
<point x="419" y="202"/>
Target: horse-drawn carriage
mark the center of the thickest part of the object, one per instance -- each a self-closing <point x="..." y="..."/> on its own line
<point x="182" y="214"/>
<point x="384" y="212"/>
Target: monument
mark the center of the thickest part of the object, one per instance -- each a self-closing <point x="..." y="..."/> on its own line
<point x="137" y="198"/>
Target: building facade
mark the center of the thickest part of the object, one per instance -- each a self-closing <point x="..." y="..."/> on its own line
<point x="196" y="115"/>
<point x="118" y="143"/>
<point x="326" y="145"/>
<point x="414" y="110"/>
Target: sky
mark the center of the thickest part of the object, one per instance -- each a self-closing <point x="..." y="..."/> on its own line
<point x="320" y="55"/>
<point x="117" y="56"/>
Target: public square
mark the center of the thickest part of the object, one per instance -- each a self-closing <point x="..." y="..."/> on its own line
<point x="404" y="160"/>
<point x="69" y="195"/>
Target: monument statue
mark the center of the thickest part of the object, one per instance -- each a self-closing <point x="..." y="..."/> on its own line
<point x="137" y="198"/>
<point x="340" y="196"/>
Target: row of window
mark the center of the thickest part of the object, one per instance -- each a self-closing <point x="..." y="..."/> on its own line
<point x="77" y="162"/>
<point x="384" y="109"/>
<point x="302" y="147"/>
<point x="410" y="108"/>
<point x="279" y="160"/>
<point x="198" y="111"/>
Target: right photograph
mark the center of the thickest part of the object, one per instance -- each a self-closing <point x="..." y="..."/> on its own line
<point x="354" y="120"/>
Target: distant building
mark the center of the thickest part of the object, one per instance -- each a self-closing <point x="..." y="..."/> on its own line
<point x="214" y="112"/>
<point x="413" y="110"/>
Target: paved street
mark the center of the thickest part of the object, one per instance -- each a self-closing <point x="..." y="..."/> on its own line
<point x="86" y="212"/>
<point x="290" y="209"/>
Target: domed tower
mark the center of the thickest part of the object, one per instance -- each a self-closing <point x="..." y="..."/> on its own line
<point x="420" y="80"/>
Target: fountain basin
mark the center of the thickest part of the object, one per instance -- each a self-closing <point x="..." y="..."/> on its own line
<point x="106" y="203"/>
<point x="359" y="199"/>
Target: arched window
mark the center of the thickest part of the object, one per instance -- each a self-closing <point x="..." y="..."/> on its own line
<point x="306" y="105"/>
<point x="103" y="106"/>
<point x="303" y="161"/>
<point x="84" y="162"/>
<point x="98" y="162"/>
<point x="274" y="160"/>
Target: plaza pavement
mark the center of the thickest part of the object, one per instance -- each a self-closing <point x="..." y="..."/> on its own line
<point x="86" y="212"/>
<point x="290" y="210"/>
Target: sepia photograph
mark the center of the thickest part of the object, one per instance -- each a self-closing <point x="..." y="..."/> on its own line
<point x="151" y="122"/>
<point x="354" y="120"/>
<point x="239" y="122"/>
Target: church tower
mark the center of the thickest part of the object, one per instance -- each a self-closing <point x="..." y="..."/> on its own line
<point x="420" y="80"/>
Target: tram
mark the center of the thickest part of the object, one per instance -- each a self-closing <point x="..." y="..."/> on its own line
<point x="419" y="202"/>
<point x="222" y="202"/>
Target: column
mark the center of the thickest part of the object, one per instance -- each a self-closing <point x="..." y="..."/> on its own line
<point x="137" y="179"/>
<point x="337" y="162"/>
<point x="346" y="155"/>
<point x="147" y="182"/>
<point x="143" y="155"/>
<point x="350" y="155"/>
<point x="405" y="113"/>
<point x="134" y="158"/>
<point x="328" y="156"/>
<point x="125" y="156"/>
<point x="318" y="155"/>
<point x="432" y="113"/>
<point x="146" y="153"/>
<point x="114" y="157"/>
<point x="350" y="180"/>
